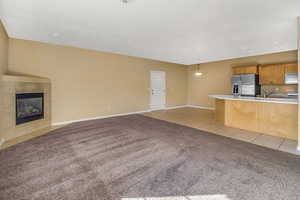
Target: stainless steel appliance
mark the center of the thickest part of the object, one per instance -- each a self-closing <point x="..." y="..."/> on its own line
<point x="236" y="85"/>
<point x="291" y="78"/>
<point x="235" y="90"/>
<point x="248" y="84"/>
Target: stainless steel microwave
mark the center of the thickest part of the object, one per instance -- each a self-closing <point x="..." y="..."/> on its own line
<point x="291" y="78"/>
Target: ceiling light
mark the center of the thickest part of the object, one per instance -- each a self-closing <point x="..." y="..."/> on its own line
<point x="198" y="73"/>
<point x="55" y="35"/>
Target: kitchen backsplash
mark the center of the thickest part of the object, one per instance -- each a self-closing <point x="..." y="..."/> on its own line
<point x="279" y="89"/>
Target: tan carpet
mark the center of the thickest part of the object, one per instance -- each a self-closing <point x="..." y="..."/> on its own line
<point x="136" y="156"/>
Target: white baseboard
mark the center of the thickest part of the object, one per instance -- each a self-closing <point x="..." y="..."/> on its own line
<point x="159" y="107"/>
<point x="100" y="117"/>
<point x="175" y="107"/>
<point x="189" y="106"/>
<point x="200" y="107"/>
<point x="131" y="113"/>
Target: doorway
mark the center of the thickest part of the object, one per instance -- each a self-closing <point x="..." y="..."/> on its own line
<point x="157" y="90"/>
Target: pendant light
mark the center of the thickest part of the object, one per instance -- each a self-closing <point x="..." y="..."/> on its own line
<point x="198" y="73"/>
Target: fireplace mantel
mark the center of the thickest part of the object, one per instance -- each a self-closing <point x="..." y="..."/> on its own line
<point x="28" y="79"/>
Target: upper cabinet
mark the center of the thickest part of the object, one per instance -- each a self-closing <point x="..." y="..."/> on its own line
<point x="245" y="70"/>
<point x="270" y="74"/>
<point x="273" y="74"/>
<point x="291" y="67"/>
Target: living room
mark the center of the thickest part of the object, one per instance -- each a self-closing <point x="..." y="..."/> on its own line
<point x="114" y="100"/>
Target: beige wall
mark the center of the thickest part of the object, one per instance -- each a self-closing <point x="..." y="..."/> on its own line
<point x="299" y="84"/>
<point x="216" y="76"/>
<point x="3" y="50"/>
<point x="3" y="66"/>
<point x="88" y="83"/>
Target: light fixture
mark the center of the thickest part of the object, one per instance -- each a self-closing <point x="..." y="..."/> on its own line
<point x="55" y="34"/>
<point x="198" y="73"/>
<point x="124" y="1"/>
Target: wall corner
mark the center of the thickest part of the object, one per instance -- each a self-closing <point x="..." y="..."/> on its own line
<point x="298" y="84"/>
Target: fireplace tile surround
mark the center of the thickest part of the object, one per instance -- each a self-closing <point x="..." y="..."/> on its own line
<point x="9" y="87"/>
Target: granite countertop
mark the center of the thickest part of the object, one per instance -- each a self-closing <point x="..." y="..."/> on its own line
<point x="258" y="99"/>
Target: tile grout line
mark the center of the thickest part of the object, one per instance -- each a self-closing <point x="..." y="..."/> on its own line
<point x="281" y="143"/>
<point x="218" y="131"/>
<point x="258" y="135"/>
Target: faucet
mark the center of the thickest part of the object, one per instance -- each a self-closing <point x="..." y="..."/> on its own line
<point x="268" y="93"/>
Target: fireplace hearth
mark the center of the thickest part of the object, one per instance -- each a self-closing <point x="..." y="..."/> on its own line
<point x="29" y="107"/>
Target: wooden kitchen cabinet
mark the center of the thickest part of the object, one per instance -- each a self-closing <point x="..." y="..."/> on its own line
<point x="265" y="75"/>
<point x="220" y="110"/>
<point x="277" y="119"/>
<point x="291" y="67"/>
<point x="241" y="114"/>
<point x="271" y="74"/>
<point x="245" y="70"/>
<point x="237" y="70"/>
<point x="278" y="74"/>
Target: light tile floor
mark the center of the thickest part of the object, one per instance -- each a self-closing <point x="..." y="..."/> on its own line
<point x="204" y="120"/>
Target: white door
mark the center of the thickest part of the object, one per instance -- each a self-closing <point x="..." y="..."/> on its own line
<point x="158" y="90"/>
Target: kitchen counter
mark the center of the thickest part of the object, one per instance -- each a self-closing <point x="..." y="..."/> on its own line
<point x="258" y="99"/>
<point x="272" y="116"/>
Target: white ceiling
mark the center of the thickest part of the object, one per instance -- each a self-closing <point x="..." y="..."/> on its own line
<point x="178" y="31"/>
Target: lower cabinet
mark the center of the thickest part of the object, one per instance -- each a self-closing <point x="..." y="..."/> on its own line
<point x="269" y="118"/>
<point x="241" y="114"/>
<point x="278" y="119"/>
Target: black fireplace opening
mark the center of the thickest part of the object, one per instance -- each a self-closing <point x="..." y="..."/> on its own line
<point x="29" y="107"/>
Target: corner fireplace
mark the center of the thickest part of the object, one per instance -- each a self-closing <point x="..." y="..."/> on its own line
<point x="29" y="107"/>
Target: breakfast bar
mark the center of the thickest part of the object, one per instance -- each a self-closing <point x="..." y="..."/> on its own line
<point x="272" y="116"/>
